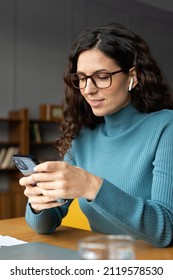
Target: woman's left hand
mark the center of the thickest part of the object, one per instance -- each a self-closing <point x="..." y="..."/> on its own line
<point x="62" y="180"/>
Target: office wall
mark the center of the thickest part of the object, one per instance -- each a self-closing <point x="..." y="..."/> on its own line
<point x="162" y="4"/>
<point x="35" y="37"/>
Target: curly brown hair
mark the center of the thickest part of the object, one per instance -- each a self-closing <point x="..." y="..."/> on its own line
<point x="127" y="49"/>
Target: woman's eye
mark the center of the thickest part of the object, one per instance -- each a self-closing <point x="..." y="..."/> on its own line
<point x="82" y="78"/>
<point x="102" y="77"/>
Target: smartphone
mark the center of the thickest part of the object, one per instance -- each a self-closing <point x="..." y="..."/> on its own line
<point x="26" y="164"/>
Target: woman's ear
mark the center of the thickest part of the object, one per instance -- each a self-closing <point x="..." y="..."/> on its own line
<point x="132" y="78"/>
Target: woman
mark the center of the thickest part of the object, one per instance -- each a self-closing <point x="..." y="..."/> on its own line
<point x="117" y="142"/>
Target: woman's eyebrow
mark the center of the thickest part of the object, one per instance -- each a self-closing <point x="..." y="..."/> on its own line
<point x="100" y="70"/>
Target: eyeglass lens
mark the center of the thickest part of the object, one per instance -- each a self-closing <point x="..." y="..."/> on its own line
<point x="100" y="80"/>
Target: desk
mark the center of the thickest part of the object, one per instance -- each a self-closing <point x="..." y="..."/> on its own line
<point x="68" y="237"/>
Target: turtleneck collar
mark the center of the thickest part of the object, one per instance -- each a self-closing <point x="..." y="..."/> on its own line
<point x="121" y="120"/>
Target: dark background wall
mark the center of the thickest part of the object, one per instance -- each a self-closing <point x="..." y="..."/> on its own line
<point x="36" y="35"/>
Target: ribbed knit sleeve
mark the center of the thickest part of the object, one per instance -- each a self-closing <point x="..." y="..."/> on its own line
<point x="47" y="220"/>
<point x="150" y="220"/>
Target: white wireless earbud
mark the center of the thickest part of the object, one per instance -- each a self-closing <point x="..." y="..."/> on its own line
<point x="131" y="83"/>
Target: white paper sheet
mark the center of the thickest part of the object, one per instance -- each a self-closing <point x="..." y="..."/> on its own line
<point x="9" y="241"/>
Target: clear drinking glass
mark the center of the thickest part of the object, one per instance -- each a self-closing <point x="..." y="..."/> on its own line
<point x="107" y="247"/>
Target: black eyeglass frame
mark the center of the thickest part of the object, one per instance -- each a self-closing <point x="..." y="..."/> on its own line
<point x="92" y="79"/>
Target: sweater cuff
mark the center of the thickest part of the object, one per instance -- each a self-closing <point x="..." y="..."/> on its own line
<point x="112" y="201"/>
<point x="43" y="222"/>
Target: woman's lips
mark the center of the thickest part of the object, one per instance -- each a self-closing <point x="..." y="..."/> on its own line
<point x="96" y="102"/>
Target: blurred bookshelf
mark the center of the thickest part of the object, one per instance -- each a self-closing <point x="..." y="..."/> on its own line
<point x="21" y="135"/>
<point x="14" y="138"/>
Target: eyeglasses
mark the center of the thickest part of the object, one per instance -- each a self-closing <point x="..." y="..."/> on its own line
<point x="100" y="79"/>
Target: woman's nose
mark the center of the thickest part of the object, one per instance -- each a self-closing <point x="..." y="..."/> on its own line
<point x="90" y="87"/>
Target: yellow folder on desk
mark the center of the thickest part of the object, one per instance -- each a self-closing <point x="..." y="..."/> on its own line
<point x="75" y="217"/>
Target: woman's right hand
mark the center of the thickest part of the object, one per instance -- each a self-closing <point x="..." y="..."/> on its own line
<point x="37" y="200"/>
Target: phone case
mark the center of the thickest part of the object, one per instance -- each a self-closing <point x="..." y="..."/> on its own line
<point x="25" y="163"/>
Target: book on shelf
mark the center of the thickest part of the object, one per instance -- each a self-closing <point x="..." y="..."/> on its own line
<point x="8" y="153"/>
<point x="2" y="154"/>
<point x="35" y="134"/>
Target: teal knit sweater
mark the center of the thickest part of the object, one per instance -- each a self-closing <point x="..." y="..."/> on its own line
<point x="133" y="153"/>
